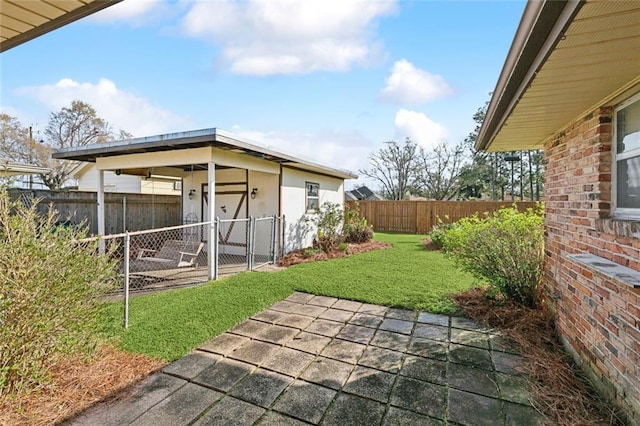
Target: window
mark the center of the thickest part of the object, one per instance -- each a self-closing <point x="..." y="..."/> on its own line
<point x="177" y="185"/>
<point x="313" y="196"/>
<point x="627" y="158"/>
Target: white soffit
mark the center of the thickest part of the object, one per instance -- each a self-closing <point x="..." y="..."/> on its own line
<point x="24" y="20"/>
<point x="598" y="58"/>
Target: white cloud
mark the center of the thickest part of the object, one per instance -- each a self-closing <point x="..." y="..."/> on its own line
<point x="342" y="149"/>
<point x="420" y="128"/>
<point x="123" y="110"/>
<point x="290" y="36"/>
<point x="408" y="85"/>
<point x="135" y="12"/>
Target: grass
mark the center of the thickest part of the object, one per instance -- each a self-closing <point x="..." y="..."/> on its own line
<point x="167" y="325"/>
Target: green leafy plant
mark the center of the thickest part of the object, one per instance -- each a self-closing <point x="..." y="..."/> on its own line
<point x="356" y="229"/>
<point x="51" y="295"/>
<point x="506" y="248"/>
<point x="329" y="221"/>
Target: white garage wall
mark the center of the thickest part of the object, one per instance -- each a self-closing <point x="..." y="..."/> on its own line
<point x="299" y="227"/>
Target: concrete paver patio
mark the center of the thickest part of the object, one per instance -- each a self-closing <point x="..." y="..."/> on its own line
<point x="320" y="360"/>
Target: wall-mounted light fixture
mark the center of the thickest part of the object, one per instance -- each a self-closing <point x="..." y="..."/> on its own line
<point x="254" y="193"/>
<point x="192" y="194"/>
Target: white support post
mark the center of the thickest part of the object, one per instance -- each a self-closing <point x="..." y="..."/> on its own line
<point x="212" y="259"/>
<point x="101" y="209"/>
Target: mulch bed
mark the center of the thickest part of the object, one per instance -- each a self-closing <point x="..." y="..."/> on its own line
<point x="75" y="385"/>
<point x="304" y="256"/>
<point x="561" y="390"/>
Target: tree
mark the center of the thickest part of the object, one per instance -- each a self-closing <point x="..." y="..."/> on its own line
<point x="440" y="171"/>
<point x="13" y="139"/>
<point x="77" y="125"/>
<point x="394" y="168"/>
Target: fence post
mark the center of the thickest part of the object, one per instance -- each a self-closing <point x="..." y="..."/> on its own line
<point x="250" y="235"/>
<point x="282" y="236"/>
<point x="127" y="240"/>
<point x="274" y="236"/>
<point x="124" y="213"/>
<point x="215" y="248"/>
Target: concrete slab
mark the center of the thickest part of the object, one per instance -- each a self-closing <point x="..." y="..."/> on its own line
<point x="428" y="348"/>
<point x="351" y="410"/>
<point x="309" y="342"/>
<point x="231" y="412"/>
<point x="421" y="397"/>
<point x="271" y="418"/>
<point x="471" y="409"/>
<point x="426" y="369"/>
<point x="224" y="344"/>
<point x="381" y="359"/>
<point x="250" y="328"/>
<point x="396" y="325"/>
<point x="322" y="301"/>
<point x="269" y="316"/>
<point x="343" y="350"/>
<point x="468" y="324"/>
<point x="327" y="372"/>
<point x="190" y="365"/>
<point x="472" y="379"/>
<point x="470" y="338"/>
<point x="286" y="306"/>
<point x="401" y="314"/>
<point x="356" y="333"/>
<point x="278" y="334"/>
<point x="508" y="363"/>
<point x="370" y="383"/>
<point x="347" y="305"/>
<point x="434" y="319"/>
<point x="224" y="374"/>
<point x="390" y="340"/>
<point x="501" y="343"/>
<point x="255" y="352"/>
<point x="514" y="388"/>
<point x="261" y="388"/>
<point x="305" y="401"/>
<point x="368" y="308"/>
<point x="325" y="327"/>
<point x="295" y="321"/>
<point x="399" y="417"/>
<point x="336" y="315"/>
<point x="289" y="361"/>
<point x="181" y="407"/>
<point x="522" y="415"/>
<point x="433" y="332"/>
<point x="468" y="355"/>
<point x="300" y="297"/>
<point x="137" y="400"/>
<point x="366" y="320"/>
<point x="309" y="310"/>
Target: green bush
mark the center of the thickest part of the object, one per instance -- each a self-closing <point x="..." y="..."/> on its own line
<point x="329" y="220"/>
<point x="51" y="293"/>
<point x="506" y="248"/>
<point x="438" y="235"/>
<point x="355" y="229"/>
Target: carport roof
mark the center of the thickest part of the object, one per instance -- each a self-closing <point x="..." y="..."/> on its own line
<point x="12" y="168"/>
<point x="193" y="139"/>
<point x="22" y="20"/>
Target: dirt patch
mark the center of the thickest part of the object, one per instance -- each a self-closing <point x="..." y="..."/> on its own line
<point x="561" y="390"/>
<point x="75" y="385"/>
<point x="309" y="255"/>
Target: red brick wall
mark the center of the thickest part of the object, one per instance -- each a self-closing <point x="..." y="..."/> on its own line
<point x="598" y="316"/>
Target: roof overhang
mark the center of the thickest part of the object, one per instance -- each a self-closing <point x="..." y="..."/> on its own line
<point x="566" y="59"/>
<point x="11" y="168"/>
<point x="213" y="137"/>
<point x="24" y="20"/>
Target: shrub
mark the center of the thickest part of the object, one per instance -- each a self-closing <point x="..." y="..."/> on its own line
<point x="438" y="235"/>
<point x="356" y="230"/>
<point x="51" y="294"/>
<point x="329" y="222"/>
<point x="505" y="248"/>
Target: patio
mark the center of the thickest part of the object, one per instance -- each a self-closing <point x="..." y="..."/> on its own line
<point x="320" y="360"/>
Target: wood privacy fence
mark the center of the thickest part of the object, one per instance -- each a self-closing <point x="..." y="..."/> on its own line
<point x="418" y="217"/>
<point x="130" y="212"/>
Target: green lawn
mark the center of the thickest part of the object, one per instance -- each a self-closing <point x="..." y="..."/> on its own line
<point x="167" y="325"/>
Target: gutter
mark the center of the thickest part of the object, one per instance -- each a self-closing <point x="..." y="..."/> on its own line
<point x="541" y="27"/>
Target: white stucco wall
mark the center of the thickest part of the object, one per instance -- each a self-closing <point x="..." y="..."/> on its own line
<point x="299" y="226"/>
<point x="88" y="181"/>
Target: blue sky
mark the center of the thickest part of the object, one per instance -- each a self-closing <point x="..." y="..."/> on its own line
<point x="325" y="80"/>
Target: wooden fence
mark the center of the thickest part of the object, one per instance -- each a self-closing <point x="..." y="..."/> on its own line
<point x="140" y="211"/>
<point x="418" y="217"/>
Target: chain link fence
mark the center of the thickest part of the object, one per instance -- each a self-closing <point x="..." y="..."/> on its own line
<point x="178" y="256"/>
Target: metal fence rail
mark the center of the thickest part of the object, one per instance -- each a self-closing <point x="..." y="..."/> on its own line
<point x="179" y="255"/>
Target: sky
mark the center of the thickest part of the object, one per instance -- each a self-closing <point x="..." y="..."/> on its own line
<point x="328" y="80"/>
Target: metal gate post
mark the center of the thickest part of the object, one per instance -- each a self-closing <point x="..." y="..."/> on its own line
<point x="250" y="237"/>
<point x="274" y="236"/>
<point x="127" y="240"/>
<point x="216" y="247"/>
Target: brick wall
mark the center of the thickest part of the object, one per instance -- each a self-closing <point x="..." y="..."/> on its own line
<point x="598" y="316"/>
